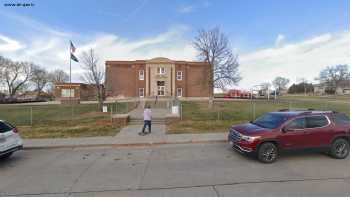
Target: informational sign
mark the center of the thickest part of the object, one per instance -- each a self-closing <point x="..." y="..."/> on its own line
<point x="104" y="108"/>
<point x="175" y="110"/>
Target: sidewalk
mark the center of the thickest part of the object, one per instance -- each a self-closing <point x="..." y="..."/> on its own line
<point x="147" y="140"/>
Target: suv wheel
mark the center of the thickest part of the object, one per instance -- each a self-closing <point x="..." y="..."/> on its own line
<point x="340" y="148"/>
<point x="267" y="152"/>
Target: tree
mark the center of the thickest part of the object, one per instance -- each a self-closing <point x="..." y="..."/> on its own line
<point x="15" y="74"/>
<point x="265" y="85"/>
<point x="304" y="83"/>
<point x="213" y="47"/>
<point x="93" y="74"/>
<point x="280" y="83"/>
<point x="59" y="76"/>
<point x="333" y="75"/>
<point x="301" y="87"/>
<point x="40" y="78"/>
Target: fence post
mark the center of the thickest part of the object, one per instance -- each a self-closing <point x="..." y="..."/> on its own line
<point x="31" y="116"/>
<point x="254" y="110"/>
<point x="181" y="111"/>
<point x="111" y="113"/>
<point x="251" y="110"/>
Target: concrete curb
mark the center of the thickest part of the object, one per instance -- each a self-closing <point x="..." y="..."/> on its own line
<point x="144" y="144"/>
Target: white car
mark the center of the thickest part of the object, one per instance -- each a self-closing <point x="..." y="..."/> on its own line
<point x="10" y="141"/>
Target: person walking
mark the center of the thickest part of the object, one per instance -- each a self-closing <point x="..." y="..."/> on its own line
<point x="147" y="117"/>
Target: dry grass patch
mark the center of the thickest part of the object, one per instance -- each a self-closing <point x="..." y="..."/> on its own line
<point x="190" y="126"/>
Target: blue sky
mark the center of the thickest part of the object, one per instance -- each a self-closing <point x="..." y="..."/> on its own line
<point x="300" y="37"/>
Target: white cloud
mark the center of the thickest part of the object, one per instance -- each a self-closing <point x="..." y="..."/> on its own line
<point x="53" y="51"/>
<point x="292" y="60"/>
<point x="295" y="60"/>
<point x="8" y="44"/>
<point x="34" y="24"/>
<point x="279" y="40"/>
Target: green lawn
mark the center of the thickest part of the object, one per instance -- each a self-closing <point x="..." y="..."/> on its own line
<point x="51" y="121"/>
<point x="198" y="117"/>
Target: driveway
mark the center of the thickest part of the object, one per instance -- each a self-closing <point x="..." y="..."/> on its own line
<point x="170" y="170"/>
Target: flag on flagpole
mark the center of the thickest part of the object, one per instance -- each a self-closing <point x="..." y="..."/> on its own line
<point x="73" y="57"/>
<point x="72" y="50"/>
<point x="72" y="47"/>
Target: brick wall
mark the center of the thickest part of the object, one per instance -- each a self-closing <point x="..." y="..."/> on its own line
<point x="122" y="78"/>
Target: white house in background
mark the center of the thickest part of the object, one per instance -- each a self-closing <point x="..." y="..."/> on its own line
<point x="342" y="89"/>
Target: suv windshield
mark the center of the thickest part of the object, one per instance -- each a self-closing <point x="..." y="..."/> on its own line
<point x="270" y="120"/>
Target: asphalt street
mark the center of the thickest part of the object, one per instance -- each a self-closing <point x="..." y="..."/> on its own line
<point x="203" y="170"/>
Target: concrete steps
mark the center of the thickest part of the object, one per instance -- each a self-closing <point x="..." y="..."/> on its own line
<point x="159" y="104"/>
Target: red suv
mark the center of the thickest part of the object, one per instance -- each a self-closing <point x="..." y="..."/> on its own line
<point x="273" y="132"/>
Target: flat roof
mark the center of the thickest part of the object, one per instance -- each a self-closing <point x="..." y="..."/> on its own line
<point x="157" y="60"/>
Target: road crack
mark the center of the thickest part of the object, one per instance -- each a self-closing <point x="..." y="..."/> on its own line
<point x="216" y="191"/>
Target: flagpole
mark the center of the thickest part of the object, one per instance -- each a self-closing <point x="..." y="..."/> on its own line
<point x="70" y="72"/>
<point x="70" y="78"/>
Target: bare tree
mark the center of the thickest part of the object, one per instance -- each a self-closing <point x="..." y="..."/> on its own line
<point x="265" y="85"/>
<point x="15" y="74"/>
<point x="59" y="76"/>
<point x="280" y="83"/>
<point x="213" y="47"/>
<point x="333" y="75"/>
<point x="303" y="81"/>
<point x="93" y="74"/>
<point x="2" y="67"/>
<point x="40" y="78"/>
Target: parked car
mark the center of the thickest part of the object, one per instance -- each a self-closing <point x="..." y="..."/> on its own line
<point x="10" y="141"/>
<point x="274" y="132"/>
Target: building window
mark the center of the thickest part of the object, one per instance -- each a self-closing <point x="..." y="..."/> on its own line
<point x="141" y="75"/>
<point x="179" y="92"/>
<point x="141" y="92"/>
<point x="179" y="75"/>
<point x="161" y="70"/>
<point x="160" y="83"/>
<point x="65" y="93"/>
<point x="161" y="88"/>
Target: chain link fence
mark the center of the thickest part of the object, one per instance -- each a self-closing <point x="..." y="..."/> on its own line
<point x="31" y="115"/>
<point x="245" y="110"/>
<point x="233" y="110"/>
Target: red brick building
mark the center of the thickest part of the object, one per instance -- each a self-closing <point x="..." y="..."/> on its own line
<point x="157" y="77"/>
